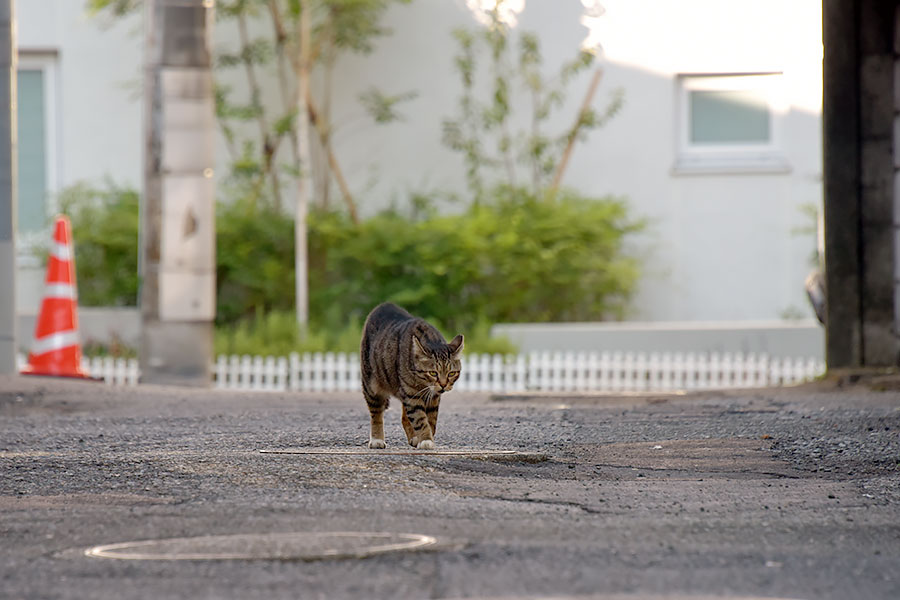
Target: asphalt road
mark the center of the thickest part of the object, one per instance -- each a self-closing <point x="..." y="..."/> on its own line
<point x="777" y="494"/>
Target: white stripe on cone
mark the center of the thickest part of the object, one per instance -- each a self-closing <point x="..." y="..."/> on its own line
<point x="63" y="291"/>
<point x="55" y="341"/>
<point x="61" y="251"/>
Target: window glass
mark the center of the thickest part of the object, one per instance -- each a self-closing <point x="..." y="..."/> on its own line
<point x="32" y="175"/>
<point x="728" y="117"/>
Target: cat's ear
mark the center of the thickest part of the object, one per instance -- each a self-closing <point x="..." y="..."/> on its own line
<point x="456" y="344"/>
<point x="418" y="348"/>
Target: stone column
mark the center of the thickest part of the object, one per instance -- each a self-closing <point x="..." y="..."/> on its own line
<point x="178" y="211"/>
<point x="859" y="116"/>
<point x="7" y="189"/>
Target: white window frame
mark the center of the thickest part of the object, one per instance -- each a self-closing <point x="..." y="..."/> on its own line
<point x="766" y="157"/>
<point x="46" y="61"/>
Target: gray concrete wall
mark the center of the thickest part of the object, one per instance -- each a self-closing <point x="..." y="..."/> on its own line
<point x="775" y="338"/>
<point x="96" y="324"/>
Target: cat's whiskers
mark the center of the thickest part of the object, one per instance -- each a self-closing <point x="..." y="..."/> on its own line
<point x="425" y="389"/>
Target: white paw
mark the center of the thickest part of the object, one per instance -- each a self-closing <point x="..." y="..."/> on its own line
<point x="425" y="445"/>
<point x="376" y="443"/>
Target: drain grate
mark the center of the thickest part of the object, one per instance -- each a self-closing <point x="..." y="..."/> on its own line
<point x="305" y="546"/>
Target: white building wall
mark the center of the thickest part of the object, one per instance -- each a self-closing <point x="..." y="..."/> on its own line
<point x="97" y="96"/>
<point x="92" y="70"/>
<point x="719" y="246"/>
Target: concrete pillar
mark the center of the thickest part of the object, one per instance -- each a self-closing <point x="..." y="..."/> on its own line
<point x="178" y="214"/>
<point x="7" y="189"/>
<point x="896" y="165"/>
<point x="861" y="267"/>
<point x="840" y="124"/>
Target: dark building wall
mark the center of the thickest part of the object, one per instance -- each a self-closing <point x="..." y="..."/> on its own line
<point x="859" y="115"/>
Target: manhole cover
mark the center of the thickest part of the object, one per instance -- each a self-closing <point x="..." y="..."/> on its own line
<point x="265" y="546"/>
<point x="498" y="455"/>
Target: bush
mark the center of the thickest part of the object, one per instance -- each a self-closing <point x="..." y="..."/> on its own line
<point x="105" y="231"/>
<point x="516" y="259"/>
<point x="276" y="334"/>
<point x="254" y="262"/>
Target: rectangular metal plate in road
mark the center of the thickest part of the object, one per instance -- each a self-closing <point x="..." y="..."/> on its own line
<point x="499" y="455"/>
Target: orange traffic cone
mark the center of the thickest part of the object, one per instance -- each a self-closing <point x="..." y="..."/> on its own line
<point x="56" y="349"/>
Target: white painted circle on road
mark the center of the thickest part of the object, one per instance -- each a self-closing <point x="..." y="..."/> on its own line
<point x="265" y="546"/>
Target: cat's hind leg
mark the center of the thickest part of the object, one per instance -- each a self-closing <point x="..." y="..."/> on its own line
<point x="407" y="426"/>
<point x="376" y="404"/>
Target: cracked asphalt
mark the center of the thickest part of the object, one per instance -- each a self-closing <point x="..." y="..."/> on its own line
<point x="790" y="493"/>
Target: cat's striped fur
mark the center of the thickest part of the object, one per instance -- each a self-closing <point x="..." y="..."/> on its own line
<point x="404" y="357"/>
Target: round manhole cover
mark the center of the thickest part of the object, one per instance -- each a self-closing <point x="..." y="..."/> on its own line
<point x="265" y="546"/>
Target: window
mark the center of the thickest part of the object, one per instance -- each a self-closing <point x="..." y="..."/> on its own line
<point x="730" y="123"/>
<point x="32" y="146"/>
<point x="36" y="141"/>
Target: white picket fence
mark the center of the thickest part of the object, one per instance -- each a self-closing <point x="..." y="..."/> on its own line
<point x="537" y="371"/>
<point x="113" y="371"/>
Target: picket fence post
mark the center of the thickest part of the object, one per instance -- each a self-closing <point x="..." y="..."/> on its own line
<point x="535" y="371"/>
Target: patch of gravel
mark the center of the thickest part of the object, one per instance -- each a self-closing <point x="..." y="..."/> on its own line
<point x="846" y="442"/>
<point x="859" y="444"/>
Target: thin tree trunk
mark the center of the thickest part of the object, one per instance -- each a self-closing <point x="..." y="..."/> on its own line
<point x="304" y="98"/>
<point x="280" y="43"/>
<point x="332" y="161"/>
<point x="269" y="147"/>
<point x="326" y="111"/>
<point x="535" y="132"/>
<point x="573" y="133"/>
<point x="300" y="242"/>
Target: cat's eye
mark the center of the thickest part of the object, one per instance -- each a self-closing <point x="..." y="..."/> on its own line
<point x="432" y="374"/>
<point x="454" y="373"/>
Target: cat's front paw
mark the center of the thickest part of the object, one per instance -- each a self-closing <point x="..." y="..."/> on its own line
<point x="425" y="445"/>
<point x="376" y="444"/>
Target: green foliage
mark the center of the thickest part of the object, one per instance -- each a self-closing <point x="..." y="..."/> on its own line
<point x="117" y="8"/>
<point x="810" y="228"/>
<point x="514" y="258"/>
<point x="105" y="230"/>
<point x="355" y="23"/>
<point x="261" y="137"/>
<point x="382" y="108"/>
<point x="480" y="341"/>
<point x="276" y="334"/>
<point x="114" y="349"/>
<point x="482" y="132"/>
<point x="262" y="154"/>
<point x="254" y="261"/>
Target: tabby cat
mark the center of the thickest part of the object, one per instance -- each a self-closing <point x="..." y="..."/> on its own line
<point x="407" y="358"/>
